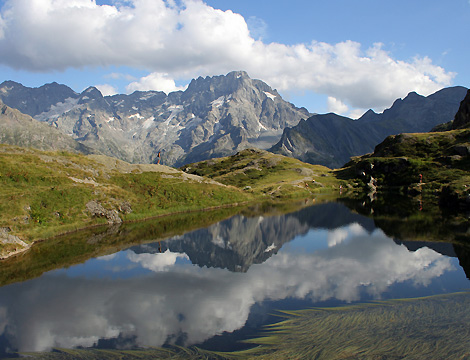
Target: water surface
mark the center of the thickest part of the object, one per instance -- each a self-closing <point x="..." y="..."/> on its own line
<point x="214" y="286"/>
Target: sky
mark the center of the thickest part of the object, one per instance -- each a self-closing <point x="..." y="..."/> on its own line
<point x="342" y="56"/>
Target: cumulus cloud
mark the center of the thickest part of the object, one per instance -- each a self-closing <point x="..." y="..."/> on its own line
<point x="336" y="106"/>
<point x="155" y="81"/>
<point x="106" y="89"/>
<point x="194" y="39"/>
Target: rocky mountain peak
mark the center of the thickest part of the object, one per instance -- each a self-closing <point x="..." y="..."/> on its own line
<point x="91" y="93"/>
<point x="216" y="86"/>
<point x="215" y="116"/>
<point x="33" y="101"/>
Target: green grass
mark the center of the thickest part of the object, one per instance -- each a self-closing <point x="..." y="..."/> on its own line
<point x="399" y="160"/>
<point x="45" y="193"/>
<point x="264" y="174"/>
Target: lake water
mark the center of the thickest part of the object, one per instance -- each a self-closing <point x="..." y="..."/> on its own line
<point x="217" y="285"/>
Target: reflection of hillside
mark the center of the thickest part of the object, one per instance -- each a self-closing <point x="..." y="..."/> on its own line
<point x="463" y="253"/>
<point x="240" y="241"/>
<point x="416" y="224"/>
<point x="409" y="219"/>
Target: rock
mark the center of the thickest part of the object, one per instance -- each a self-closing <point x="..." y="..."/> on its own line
<point x="462" y="149"/>
<point x="125" y="208"/>
<point x="16" y="244"/>
<point x="97" y="210"/>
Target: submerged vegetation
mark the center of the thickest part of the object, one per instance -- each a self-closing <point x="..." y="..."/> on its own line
<point x="425" y="328"/>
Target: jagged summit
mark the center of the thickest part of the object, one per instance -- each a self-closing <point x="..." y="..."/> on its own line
<point x="215" y="116"/>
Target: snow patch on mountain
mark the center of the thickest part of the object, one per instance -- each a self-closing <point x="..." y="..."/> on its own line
<point x="147" y="96"/>
<point x="175" y="110"/>
<point x="58" y="109"/>
<point x="269" y="95"/>
<point x="218" y="102"/>
<point x="147" y="123"/>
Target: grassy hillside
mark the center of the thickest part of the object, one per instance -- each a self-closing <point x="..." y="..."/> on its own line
<point x="46" y="193"/>
<point x="423" y="163"/>
<point x="43" y="194"/>
<point x="264" y="174"/>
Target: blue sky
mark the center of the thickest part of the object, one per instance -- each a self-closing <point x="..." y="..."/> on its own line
<point x="344" y="56"/>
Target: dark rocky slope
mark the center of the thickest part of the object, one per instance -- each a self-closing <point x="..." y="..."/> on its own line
<point x="331" y="139"/>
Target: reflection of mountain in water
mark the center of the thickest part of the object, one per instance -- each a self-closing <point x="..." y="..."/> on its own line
<point x="443" y="248"/>
<point x="240" y="241"/>
<point x="138" y="300"/>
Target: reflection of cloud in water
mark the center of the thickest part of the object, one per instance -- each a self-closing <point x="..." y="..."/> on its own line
<point x="156" y="262"/>
<point x="340" y="235"/>
<point x="202" y="302"/>
<point x="107" y="257"/>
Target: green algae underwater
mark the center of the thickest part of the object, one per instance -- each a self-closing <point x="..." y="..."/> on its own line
<point x="434" y="327"/>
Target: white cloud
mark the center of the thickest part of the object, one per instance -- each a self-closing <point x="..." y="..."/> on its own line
<point x="195" y="39"/>
<point x="156" y="262"/>
<point x="336" y="106"/>
<point x="106" y="89"/>
<point x="154" y="81"/>
<point x="258" y="27"/>
<point x="340" y="235"/>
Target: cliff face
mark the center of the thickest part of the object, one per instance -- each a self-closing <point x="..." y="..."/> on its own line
<point x="462" y="118"/>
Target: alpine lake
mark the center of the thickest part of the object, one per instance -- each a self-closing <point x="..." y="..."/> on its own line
<point x="314" y="279"/>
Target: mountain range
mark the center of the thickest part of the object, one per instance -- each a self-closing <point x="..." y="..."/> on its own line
<point x="331" y="140"/>
<point x="214" y="117"/>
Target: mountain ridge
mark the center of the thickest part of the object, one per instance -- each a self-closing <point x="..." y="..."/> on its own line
<point x="331" y="140"/>
<point x="215" y="116"/>
<point x="20" y="129"/>
<point x="219" y="116"/>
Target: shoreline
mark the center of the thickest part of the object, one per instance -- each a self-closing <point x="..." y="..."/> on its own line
<point x="87" y="227"/>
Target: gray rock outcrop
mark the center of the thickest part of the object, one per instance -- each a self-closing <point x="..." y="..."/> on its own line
<point x="97" y="210"/>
